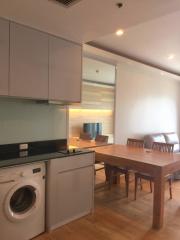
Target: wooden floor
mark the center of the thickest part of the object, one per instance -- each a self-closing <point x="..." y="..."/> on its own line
<point x="119" y="218"/>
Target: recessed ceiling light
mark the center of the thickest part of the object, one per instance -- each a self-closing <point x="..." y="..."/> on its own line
<point x="119" y="32"/>
<point x="171" y="56"/>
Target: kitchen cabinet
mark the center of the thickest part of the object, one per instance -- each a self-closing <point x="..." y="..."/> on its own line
<point x="37" y="65"/>
<point x="4" y="56"/>
<point x="65" y="70"/>
<point x="28" y="62"/>
<point x="70" y="189"/>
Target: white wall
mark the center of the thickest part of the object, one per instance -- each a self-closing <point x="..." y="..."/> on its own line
<point x="25" y="120"/>
<point x="146" y="101"/>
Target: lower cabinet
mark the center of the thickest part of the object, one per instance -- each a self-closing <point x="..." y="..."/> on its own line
<point x="70" y="189"/>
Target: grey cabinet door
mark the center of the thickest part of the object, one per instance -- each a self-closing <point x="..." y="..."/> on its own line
<point x="73" y="196"/>
<point x="74" y="193"/>
<point x="28" y="62"/>
<point x="65" y="70"/>
<point x="70" y="189"/>
<point x="4" y="56"/>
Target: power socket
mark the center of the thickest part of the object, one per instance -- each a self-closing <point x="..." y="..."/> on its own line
<point x="23" y="146"/>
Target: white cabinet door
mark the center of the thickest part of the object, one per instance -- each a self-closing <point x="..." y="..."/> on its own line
<point x="73" y="194"/>
<point x="65" y="72"/>
<point x="28" y="62"/>
<point x="70" y="189"/>
<point x="4" y="56"/>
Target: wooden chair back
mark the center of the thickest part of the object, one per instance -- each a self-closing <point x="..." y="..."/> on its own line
<point x="85" y="136"/>
<point x="102" y="138"/>
<point x="163" y="147"/>
<point x="135" y="142"/>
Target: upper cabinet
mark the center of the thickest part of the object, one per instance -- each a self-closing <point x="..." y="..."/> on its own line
<point x="65" y="70"/>
<point x="4" y="56"/>
<point x="28" y="62"/>
<point x="37" y="65"/>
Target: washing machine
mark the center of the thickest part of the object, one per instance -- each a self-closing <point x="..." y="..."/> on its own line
<point x="22" y="201"/>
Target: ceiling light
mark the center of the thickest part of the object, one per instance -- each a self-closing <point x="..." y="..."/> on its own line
<point x="119" y="32"/>
<point x="171" y="56"/>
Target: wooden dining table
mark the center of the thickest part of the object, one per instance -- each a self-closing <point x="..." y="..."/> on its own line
<point x="157" y="164"/>
<point x="80" y="143"/>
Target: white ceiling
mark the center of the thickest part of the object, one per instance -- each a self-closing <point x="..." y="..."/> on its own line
<point x="151" y="26"/>
<point x="150" y="42"/>
<point x="97" y="71"/>
<point x="88" y="19"/>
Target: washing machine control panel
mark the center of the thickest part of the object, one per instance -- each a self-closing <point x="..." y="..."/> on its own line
<point x="23" y="171"/>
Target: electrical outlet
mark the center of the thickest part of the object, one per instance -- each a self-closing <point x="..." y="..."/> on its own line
<point x="23" y="146"/>
<point x="23" y="153"/>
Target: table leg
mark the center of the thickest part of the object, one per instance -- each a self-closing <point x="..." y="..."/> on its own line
<point x="158" y="203"/>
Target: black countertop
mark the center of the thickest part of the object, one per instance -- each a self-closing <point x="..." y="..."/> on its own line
<point x="37" y="158"/>
<point x="10" y="154"/>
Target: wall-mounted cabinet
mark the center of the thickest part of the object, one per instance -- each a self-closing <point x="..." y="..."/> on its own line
<point x="37" y="65"/>
<point x="65" y="73"/>
<point x="4" y="56"/>
<point x="28" y="62"/>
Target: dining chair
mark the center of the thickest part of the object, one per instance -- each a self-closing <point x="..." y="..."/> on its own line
<point x="135" y="142"/>
<point x="85" y="136"/>
<point x="103" y="139"/>
<point x="114" y="171"/>
<point x="161" y="147"/>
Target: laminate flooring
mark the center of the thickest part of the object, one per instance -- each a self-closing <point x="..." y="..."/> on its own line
<point x="117" y="217"/>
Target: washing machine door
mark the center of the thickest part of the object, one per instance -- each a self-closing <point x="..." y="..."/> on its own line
<point x="22" y="201"/>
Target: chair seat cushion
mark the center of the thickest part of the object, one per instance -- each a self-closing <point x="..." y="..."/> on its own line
<point x="144" y="176"/>
<point x="99" y="166"/>
<point x="119" y="170"/>
<point x="149" y="177"/>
